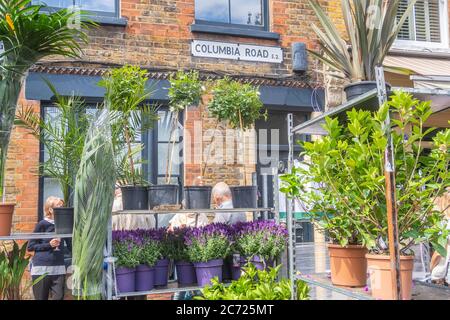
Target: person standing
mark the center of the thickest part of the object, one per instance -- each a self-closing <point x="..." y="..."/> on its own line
<point x="48" y="259"/>
<point x="223" y="199"/>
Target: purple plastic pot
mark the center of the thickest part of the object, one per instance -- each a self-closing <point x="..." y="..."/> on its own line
<point x="145" y="278"/>
<point x="185" y="273"/>
<point x="161" y="272"/>
<point x="126" y="278"/>
<point x="260" y="263"/>
<point x="207" y="270"/>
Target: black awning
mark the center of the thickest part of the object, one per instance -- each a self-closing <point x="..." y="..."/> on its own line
<point x="278" y="98"/>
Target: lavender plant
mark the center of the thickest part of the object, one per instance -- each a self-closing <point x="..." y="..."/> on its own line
<point x="208" y="243"/>
<point x="126" y="247"/>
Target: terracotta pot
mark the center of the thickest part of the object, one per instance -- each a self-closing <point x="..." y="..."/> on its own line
<point x="379" y="267"/>
<point x="6" y="213"/>
<point x="348" y="265"/>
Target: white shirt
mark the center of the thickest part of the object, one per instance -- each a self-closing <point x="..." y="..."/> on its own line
<point x="189" y="220"/>
<point x="130" y="221"/>
<point x="229" y="217"/>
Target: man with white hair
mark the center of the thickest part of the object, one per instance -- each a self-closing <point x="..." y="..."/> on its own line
<point x="223" y="199"/>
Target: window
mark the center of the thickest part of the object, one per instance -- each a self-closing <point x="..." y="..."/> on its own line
<point x="426" y="25"/>
<point x="249" y="13"/>
<point x="154" y="154"/>
<point x="95" y="7"/>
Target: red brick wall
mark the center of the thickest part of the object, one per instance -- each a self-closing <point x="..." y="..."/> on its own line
<point x="22" y="180"/>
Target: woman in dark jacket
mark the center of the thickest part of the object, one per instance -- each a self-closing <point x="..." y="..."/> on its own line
<point x="49" y="257"/>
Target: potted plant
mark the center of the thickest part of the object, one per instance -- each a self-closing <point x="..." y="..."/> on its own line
<point x="93" y="199"/>
<point x="371" y="29"/>
<point x="240" y="105"/>
<point x="207" y="247"/>
<point x="125" y="96"/>
<point x="348" y="166"/>
<point x="184" y="267"/>
<point x="13" y="264"/>
<point x="149" y="253"/>
<point x="255" y="284"/>
<point x="63" y="137"/>
<point x="162" y="263"/>
<point x="126" y="247"/>
<point x="260" y="242"/>
<point x="41" y="35"/>
<point x="185" y="90"/>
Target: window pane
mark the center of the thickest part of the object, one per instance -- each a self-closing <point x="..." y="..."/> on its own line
<point x="212" y="10"/>
<point x="99" y="5"/>
<point x="162" y="159"/>
<point x="164" y="127"/>
<point x="51" y="188"/>
<point x="55" y="3"/>
<point x="249" y="12"/>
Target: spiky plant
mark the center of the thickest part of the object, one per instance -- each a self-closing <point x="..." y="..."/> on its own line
<point x="371" y="28"/>
<point x="29" y="35"/>
<point x="94" y="195"/>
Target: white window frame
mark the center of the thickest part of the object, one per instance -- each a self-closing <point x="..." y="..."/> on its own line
<point x="420" y="45"/>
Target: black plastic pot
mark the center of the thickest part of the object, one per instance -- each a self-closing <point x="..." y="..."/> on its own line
<point x="198" y="197"/>
<point x="165" y="194"/>
<point x="356" y="89"/>
<point x="63" y="220"/>
<point x="134" y="198"/>
<point x="245" y="196"/>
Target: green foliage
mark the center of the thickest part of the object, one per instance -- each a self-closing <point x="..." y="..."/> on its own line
<point x="185" y="90"/>
<point x="254" y="284"/>
<point x="125" y="96"/>
<point x="372" y="27"/>
<point x="29" y="35"/>
<point x="94" y="195"/>
<point x="149" y="252"/>
<point x="346" y="174"/>
<point x="260" y="244"/>
<point x="12" y="267"/>
<point x="63" y="135"/>
<point x="237" y="103"/>
<point x="214" y="248"/>
<point x="127" y="254"/>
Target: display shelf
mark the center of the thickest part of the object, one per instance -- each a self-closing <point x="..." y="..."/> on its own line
<point x="188" y="211"/>
<point x="34" y="236"/>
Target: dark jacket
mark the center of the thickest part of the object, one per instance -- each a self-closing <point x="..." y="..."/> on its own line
<point x="45" y="254"/>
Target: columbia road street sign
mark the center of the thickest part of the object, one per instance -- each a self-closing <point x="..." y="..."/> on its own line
<point x="236" y="51"/>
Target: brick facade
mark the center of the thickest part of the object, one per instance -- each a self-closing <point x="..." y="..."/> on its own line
<point x="158" y="36"/>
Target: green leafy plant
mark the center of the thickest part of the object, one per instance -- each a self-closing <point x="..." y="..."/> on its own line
<point x="94" y="195"/>
<point x="29" y="35"/>
<point x="63" y="136"/>
<point x="371" y="28"/>
<point x="346" y="172"/>
<point x="125" y="248"/>
<point x="185" y="90"/>
<point x="13" y="264"/>
<point x="125" y="96"/>
<point x="254" y="284"/>
<point x="208" y="243"/>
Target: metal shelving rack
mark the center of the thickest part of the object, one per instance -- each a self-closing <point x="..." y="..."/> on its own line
<point x="440" y="101"/>
<point x="34" y="236"/>
<point x="109" y="259"/>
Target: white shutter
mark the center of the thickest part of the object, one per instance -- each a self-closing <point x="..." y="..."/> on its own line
<point x="424" y="23"/>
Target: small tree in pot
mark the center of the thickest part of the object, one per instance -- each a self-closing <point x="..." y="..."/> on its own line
<point x="63" y="136"/>
<point x="185" y="90"/>
<point x="125" y="96"/>
<point x="371" y="28"/>
<point x="240" y="105"/>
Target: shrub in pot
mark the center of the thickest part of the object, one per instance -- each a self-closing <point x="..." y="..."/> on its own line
<point x="179" y="254"/>
<point x="260" y="242"/>
<point x="63" y="136"/>
<point x="349" y="171"/>
<point x="238" y="104"/>
<point x="207" y="247"/>
<point x="126" y="247"/>
<point x="126" y="96"/>
<point x="371" y="29"/>
<point x="149" y="254"/>
<point x="42" y="34"/>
